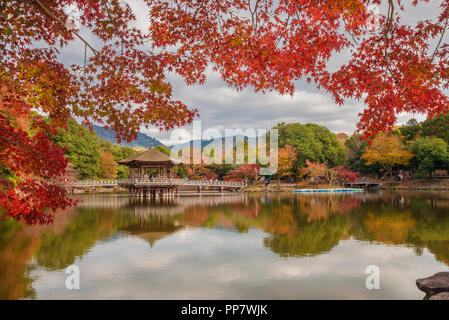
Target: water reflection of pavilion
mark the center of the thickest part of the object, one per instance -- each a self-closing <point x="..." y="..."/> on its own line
<point x="161" y="205"/>
<point x="154" y="219"/>
<point x="152" y="229"/>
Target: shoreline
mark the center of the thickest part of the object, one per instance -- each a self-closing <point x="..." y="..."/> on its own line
<point x="410" y="185"/>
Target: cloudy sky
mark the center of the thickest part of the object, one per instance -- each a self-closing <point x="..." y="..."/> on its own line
<point x="222" y="107"/>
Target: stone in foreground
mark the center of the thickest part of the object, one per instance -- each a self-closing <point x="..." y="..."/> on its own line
<point x="440" y="296"/>
<point x="435" y="284"/>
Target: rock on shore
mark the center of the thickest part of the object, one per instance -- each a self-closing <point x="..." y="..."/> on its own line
<point x="436" y="287"/>
<point x="440" y="296"/>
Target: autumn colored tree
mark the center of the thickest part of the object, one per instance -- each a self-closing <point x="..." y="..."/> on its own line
<point x="107" y="165"/>
<point x="344" y="175"/>
<point x="387" y="151"/>
<point x="119" y="85"/>
<point x="199" y="171"/>
<point x="316" y="170"/>
<point x="222" y="169"/>
<point x="342" y="137"/>
<point x="119" y="153"/>
<point x="268" y="45"/>
<point x="286" y="161"/>
<point x="339" y="175"/>
<point x="245" y="171"/>
<point x="26" y="156"/>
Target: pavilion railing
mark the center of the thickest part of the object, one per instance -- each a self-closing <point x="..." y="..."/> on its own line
<point x="156" y="182"/>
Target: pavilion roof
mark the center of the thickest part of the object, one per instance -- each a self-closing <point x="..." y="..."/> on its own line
<point x="151" y="155"/>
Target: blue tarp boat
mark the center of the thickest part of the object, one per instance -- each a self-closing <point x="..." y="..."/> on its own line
<point x="327" y="190"/>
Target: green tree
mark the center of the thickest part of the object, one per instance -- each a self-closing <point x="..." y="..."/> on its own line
<point x="312" y="142"/>
<point x="163" y="149"/>
<point x="431" y="154"/>
<point x="82" y="148"/>
<point x="437" y="127"/>
<point x="121" y="153"/>
<point x="411" y="130"/>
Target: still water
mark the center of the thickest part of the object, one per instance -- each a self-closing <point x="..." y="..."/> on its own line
<point x="236" y="246"/>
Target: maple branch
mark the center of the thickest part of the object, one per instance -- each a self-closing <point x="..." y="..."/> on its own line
<point x="17" y="143"/>
<point x="390" y="17"/>
<point x="388" y="25"/>
<point x="254" y="20"/>
<point x="441" y="39"/>
<point x="46" y="10"/>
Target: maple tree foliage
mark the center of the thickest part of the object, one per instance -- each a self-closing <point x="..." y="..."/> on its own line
<point x="121" y="85"/>
<point x="339" y="175"/>
<point x="316" y="169"/>
<point x="263" y="44"/>
<point x="107" y="165"/>
<point x="24" y="159"/>
<point x="393" y="66"/>
<point x="245" y="171"/>
<point x="388" y="151"/>
<point x="199" y="171"/>
<point x="286" y="160"/>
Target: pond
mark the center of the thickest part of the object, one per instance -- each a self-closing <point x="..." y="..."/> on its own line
<point x="232" y="246"/>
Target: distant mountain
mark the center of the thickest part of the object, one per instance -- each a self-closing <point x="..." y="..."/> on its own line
<point x="143" y="140"/>
<point x="204" y="143"/>
<point x="209" y="143"/>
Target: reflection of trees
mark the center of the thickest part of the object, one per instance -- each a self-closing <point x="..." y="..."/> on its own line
<point x="281" y="221"/>
<point x="58" y="251"/>
<point x="17" y="245"/>
<point x="418" y="220"/>
<point x="440" y="249"/>
<point x="390" y="228"/>
<point x="432" y="229"/>
<point x="312" y="238"/>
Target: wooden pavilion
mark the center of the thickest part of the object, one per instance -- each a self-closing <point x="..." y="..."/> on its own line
<point x="149" y="164"/>
<point x="149" y="172"/>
